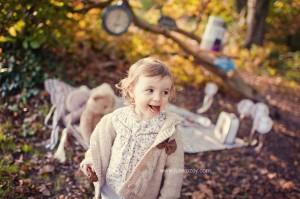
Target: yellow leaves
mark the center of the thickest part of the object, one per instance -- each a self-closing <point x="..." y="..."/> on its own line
<point x="12" y="31"/>
<point x="184" y="71"/>
<point x="57" y="33"/>
<point x="136" y="4"/>
<point x="3" y="39"/>
<point x="2" y="136"/>
<point x="20" y="25"/>
<point x="244" y="53"/>
<point x="137" y="46"/>
<point x="48" y="22"/>
<point x="279" y="4"/>
<point x="151" y="17"/>
<point x="17" y="27"/>
<point x="78" y="4"/>
<point x="28" y="7"/>
<point x="179" y="8"/>
<point x="272" y="71"/>
<point x="70" y="15"/>
<point x="82" y="24"/>
<point x="174" y="10"/>
<point x="57" y="3"/>
<point x="74" y="16"/>
<point x="80" y="35"/>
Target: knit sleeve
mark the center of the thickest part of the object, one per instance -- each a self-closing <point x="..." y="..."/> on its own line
<point x="101" y="142"/>
<point x="173" y="174"/>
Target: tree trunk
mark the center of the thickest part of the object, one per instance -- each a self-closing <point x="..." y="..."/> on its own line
<point x="257" y="11"/>
<point x="240" y="5"/>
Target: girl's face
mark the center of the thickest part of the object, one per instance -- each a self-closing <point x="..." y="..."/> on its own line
<point x="151" y="95"/>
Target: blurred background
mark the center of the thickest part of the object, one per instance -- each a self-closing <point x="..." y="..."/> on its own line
<point x="65" y="39"/>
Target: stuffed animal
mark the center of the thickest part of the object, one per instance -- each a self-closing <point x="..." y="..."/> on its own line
<point x="58" y="91"/>
<point x="73" y="107"/>
<point x="69" y="105"/>
<point x="75" y="104"/>
<point x="101" y="101"/>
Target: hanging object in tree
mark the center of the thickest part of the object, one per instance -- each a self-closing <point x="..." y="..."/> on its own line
<point x="264" y="125"/>
<point x="210" y="90"/>
<point x="261" y="121"/>
<point x="245" y="107"/>
<point x="116" y="19"/>
<point x="214" y="34"/>
<point x="224" y="64"/>
<point x="226" y="128"/>
<point x="259" y="109"/>
<point x="167" y="22"/>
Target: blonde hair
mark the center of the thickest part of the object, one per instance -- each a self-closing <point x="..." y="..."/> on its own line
<point x="149" y="67"/>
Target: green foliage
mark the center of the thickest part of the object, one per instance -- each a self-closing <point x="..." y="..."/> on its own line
<point x="29" y="128"/>
<point x="26" y="148"/>
<point x="22" y="70"/>
<point x="7" y="169"/>
<point x="7" y="147"/>
<point x="147" y="4"/>
<point x="6" y="180"/>
<point x="7" y="144"/>
<point x="271" y="60"/>
<point x="12" y="165"/>
<point x="28" y="28"/>
<point x="285" y="64"/>
<point x="284" y="23"/>
<point x="33" y="23"/>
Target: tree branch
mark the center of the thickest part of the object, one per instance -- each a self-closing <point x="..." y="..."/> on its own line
<point x="188" y="34"/>
<point x="202" y="7"/>
<point x="89" y="6"/>
<point x="233" y="82"/>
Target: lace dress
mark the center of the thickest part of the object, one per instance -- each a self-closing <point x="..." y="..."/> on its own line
<point x="133" y="138"/>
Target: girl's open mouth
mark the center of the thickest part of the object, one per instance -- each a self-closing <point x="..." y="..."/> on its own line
<point x="155" y="109"/>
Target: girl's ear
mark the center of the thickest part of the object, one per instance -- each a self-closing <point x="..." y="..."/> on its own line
<point x="131" y="94"/>
<point x="172" y="96"/>
<point x="130" y="91"/>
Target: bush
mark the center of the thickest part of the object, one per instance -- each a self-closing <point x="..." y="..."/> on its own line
<point x="23" y="71"/>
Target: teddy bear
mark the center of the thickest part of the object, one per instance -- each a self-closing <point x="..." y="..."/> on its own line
<point x="101" y="101"/>
<point x="83" y="110"/>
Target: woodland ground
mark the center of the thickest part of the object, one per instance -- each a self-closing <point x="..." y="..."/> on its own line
<point x="237" y="173"/>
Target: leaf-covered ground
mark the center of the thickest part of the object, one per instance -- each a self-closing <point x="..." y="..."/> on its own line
<point x="28" y="170"/>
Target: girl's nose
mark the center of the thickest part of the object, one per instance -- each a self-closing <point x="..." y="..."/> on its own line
<point x="156" y="97"/>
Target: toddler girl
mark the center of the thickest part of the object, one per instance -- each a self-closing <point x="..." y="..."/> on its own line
<point x="136" y="152"/>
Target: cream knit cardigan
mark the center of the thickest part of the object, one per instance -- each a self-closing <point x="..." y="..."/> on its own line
<point x="156" y="175"/>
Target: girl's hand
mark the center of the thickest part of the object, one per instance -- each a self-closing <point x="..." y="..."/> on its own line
<point x="88" y="170"/>
<point x="91" y="174"/>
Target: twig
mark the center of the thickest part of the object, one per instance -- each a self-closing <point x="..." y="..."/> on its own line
<point x="188" y="34"/>
<point x="199" y="17"/>
<point x="89" y="6"/>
